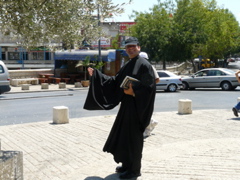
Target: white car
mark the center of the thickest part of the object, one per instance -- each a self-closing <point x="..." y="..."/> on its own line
<point x="4" y="79"/>
<point x="168" y="81"/>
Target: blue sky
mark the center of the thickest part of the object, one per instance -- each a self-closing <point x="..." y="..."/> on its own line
<point x="144" y="5"/>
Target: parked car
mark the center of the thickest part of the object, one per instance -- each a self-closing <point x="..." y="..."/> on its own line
<point x="4" y="79"/>
<point x="231" y="60"/>
<point x="211" y="78"/>
<point x="168" y="81"/>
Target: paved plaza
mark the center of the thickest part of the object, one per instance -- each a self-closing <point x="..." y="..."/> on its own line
<point x="204" y="145"/>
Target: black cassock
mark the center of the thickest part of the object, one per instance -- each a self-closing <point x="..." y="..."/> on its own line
<point x="125" y="140"/>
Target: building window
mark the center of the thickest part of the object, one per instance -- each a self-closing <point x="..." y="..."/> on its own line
<point x="38" y="55"/>
<point x="13" y="56"/>
<point x="48" y="55"/>
<point x="3" y="56"/>
<point x="16" y="56"/>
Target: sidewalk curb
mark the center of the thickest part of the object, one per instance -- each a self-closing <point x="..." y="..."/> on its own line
<point x="44" y="90"/>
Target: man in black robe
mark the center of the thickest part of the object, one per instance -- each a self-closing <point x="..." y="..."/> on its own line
<point x="125" y="140"/>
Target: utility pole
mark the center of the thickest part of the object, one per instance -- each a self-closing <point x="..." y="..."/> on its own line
<point x="99" y="40"/>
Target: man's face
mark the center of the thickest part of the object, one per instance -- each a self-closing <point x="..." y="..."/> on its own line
<point x="132" y="50"/>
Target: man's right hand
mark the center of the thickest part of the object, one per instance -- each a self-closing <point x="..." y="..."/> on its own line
<point x="90" y="71"/>
<point x="237" y="76"/>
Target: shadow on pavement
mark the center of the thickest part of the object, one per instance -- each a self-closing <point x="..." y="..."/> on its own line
<point x="114" y="176"/>
<point x="235" y="119"/>
<point x="93" y="178"/>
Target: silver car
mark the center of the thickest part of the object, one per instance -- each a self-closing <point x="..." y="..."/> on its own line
<point x="4" y="78"/>
<point x="168" y="81"/>
<point x="211" y="78"/>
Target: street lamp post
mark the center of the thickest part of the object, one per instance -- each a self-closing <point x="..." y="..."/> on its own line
<point x="99" y="40"/>
<point x="20" y="52"/>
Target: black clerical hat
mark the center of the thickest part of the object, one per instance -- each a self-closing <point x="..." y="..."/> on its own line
<point x="131" y="41"/>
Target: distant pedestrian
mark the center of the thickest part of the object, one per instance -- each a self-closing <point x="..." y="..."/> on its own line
<point x="236" y="108"/>
<point x="145" y="55"/>
<point x="153" y="123"/>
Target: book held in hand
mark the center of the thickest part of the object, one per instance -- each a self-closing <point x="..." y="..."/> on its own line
<point x="127" y="80"/>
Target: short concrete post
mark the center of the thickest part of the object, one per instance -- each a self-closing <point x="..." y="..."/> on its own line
<point x="44" y="86"/>
<point x="25" y="86"/>
<point x="78" y="85"/>
<point x="62" y="85"/>
<point x="185" y="106"/>
<point x="60" y="115"/>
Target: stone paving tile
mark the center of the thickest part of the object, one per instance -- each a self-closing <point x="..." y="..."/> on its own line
<point x="200" y="146"/>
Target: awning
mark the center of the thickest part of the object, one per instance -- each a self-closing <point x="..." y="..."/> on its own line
<point x="107" y="55"/>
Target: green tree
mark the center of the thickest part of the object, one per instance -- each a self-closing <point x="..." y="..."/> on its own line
<point x="41" y="21"/>
<point x="115" y="42"/>
<point x="154" y="30"/>
<point x="190" y="20"/>
<point x="186" y="30"/>
<point x="223" y="34"/>
<point x="205" y="29"/>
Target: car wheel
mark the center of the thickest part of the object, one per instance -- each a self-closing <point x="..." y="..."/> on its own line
<point x="172" y="88"/>
<point x="226" y="86"/>
<point x="185" y="86"/>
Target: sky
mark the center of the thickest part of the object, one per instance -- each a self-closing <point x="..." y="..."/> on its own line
<point x="144" y="5"/>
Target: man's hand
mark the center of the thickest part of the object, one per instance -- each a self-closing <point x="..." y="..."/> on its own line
<point x="129" y="91"/>
<point x="237" y="76"/>
<point x="90" y="71"/>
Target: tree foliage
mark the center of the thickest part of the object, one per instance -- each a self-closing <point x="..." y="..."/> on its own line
<point x="154" y="30"/>
<point x="187" y="29"/>
<point x="44" y="21"/>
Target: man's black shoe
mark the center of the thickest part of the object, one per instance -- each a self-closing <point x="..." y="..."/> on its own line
<point x="235" y="111"/>
<point x="129" y="175"/>
<point x="120" y="169"/>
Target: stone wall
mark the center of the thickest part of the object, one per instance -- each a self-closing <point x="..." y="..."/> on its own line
<point x="181" y="68"/>
<point x="28" y="73"/>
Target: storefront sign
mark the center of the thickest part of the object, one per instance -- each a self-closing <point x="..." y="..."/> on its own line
<point x="125" y="25"/>
<point x="105" y="43"/>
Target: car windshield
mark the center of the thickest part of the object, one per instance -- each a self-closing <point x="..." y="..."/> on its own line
<point x="201" y="73"/>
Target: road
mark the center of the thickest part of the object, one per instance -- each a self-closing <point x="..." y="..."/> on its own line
<point x="34" y="107"/>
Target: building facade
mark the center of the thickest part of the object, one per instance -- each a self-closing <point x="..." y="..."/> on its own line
<point x="17" y="57"/>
